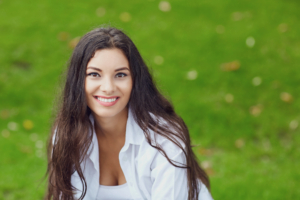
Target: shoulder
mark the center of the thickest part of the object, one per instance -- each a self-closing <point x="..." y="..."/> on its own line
<point x="162" y="144"/>
<point x="168" y="139"/>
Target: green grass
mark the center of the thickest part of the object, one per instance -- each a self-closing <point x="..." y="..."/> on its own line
<point x="263" y="165"/>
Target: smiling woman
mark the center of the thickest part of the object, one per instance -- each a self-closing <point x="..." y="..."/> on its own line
<point x="108" y="74"/>
<point x="115" y="136"/>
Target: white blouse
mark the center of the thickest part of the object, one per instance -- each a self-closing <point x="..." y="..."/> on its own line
<point x="149" y="175"/>
<point x="118" y="192"/>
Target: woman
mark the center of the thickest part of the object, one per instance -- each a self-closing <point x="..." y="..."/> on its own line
<point x="116" y="136"/>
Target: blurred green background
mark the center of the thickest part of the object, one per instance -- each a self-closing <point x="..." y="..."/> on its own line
<point x="231" y="69"/>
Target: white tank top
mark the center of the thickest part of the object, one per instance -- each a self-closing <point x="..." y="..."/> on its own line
<point x="118" y="192"/>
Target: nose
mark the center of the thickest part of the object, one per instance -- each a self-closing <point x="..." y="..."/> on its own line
<point x="107" y="86"/>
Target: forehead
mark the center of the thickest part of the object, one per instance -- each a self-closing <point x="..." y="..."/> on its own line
<point x="108" y="59"/>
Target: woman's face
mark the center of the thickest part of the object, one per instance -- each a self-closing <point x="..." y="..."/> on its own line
<point x="108" y="83"/>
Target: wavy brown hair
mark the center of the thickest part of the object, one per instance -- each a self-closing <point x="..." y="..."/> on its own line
<point x="68" y="149"/>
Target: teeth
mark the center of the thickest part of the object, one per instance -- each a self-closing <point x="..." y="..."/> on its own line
<point x="106" y="100"/>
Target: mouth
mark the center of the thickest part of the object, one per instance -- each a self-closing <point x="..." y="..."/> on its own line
<point x="107" y="101"/>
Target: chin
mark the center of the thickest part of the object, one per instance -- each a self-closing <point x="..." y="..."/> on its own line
<point x="108" y="113"/>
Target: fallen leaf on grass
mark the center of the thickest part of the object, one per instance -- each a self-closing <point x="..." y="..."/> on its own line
<point x="231" y="66"/>
<point x="205" y="152"/>
<point x="4" y="114"/>
<point x="21" y="65"/>
<point x="74" y="42"/>
<point x="125" y="17"/>
<point x="286" y="97"/>
<point x="209" y="171"/>
<point x="276" y="84"/>
<point x="239" y="143"/>
<point x="5" y="133"/>
<point x="283" y="27"/>
<point x="28" y="124"/>
<point x="255" y="110"/>
<point x="229" y="98"/>
<point x="25" y="149"/>
<point x="63" y="36"/>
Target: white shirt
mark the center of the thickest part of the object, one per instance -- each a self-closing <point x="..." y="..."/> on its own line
<point x="148" y="173"/>
<point x="118" y="192"/>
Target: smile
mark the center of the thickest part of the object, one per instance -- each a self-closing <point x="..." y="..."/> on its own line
<point x="106" y="101"/>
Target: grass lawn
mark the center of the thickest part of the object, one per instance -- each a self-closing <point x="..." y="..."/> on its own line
<point x="231" y="69"/>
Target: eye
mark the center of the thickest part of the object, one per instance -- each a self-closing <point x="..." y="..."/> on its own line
<point x="121" y="75"/>
<point x="94" y="74"/>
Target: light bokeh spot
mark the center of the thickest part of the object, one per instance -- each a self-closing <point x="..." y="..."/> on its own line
<point x="28" y="124"/>
<point x="294" y="124"/>
<point x="229" y="98"/>
<point x="250" y="42"/>
<point x="206" y="164"/>
<point x="256" y="81"/>
<point x="33" y="137"/>
<point x="192" y="75"/>
<point x="164" y="6"/>
<point x="39" y="153"/>
<point x="237" y="16"/>
<point x="100" y="12"/>
<point x="13" y="126"/>
<point x="220" y="29"/>
<point x="5" y="133"/>
<point x="125" y="17"/>
<point x="286" y="97"/>
<point x="158" y="60"/>
<point x="39" y="144"/>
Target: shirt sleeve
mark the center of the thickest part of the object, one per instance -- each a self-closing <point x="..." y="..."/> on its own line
<point x="204" y="193"/>
<point x="170" y="182"/>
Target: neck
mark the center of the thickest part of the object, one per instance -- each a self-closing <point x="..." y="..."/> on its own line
<point x="111" y="127"/>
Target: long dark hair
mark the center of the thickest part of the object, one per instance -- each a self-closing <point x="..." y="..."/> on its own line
<point x="72" y="123"/>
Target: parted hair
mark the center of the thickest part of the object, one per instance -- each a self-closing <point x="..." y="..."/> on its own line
<point x="69" y="147"/>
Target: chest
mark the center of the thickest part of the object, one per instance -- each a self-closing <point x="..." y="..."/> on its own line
<point x="136" y="173"/>
<point x="111" y="173"/>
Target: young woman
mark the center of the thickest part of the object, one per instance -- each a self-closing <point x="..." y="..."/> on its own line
<point x="115" y="136"/>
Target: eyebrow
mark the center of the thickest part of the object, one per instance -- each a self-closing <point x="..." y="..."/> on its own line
<point x="100" y="70"/>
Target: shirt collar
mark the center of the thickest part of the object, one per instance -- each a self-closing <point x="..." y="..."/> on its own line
<point x="93" y="152"/>
<point x="134" y="135"/>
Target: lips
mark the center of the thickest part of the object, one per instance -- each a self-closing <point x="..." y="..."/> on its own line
<point x="107" y="101"/>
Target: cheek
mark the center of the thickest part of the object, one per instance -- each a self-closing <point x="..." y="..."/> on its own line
<point x="89" y="86"/>
<point x="126" y="88"/>
<point x="88" y="89"/>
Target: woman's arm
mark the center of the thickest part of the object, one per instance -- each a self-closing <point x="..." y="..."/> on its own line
<point x="170" y="182"/>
